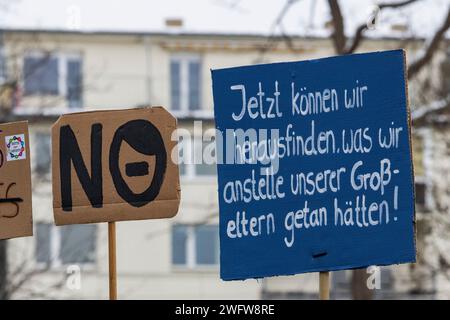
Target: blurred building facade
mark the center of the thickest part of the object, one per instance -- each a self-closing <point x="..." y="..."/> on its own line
<point x="55" y="72"/>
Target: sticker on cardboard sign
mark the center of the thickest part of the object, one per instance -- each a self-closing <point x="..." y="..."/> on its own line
<point x="15" y="147"/>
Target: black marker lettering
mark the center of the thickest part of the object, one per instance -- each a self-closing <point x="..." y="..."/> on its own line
<point x="145" y="138"/>
<point x="69" y="152"/>
<point x="136" y="169"/>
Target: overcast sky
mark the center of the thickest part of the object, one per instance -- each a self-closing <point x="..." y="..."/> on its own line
<point x="306" y="17"/>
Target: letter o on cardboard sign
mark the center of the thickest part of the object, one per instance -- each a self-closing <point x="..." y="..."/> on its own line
<point x="145" y="138"/>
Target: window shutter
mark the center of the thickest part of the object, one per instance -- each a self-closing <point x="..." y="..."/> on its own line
<point x="175" y="85"/>
<point x="42" y="249"/>
<point x="194" y="85"/>
<point x="74" y="83"/>
<point x="43" y="153"/>
<point x="179" y="245"/>
<point x="78" y="243"/>
<point x="206" y="245"/>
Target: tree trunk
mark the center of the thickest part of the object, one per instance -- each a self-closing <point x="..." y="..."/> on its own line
<point x="360" y="290"/>
<point x="3" y="270"/>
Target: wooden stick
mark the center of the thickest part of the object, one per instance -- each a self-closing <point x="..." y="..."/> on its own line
<point x="324" y="285"/>
<point x="112" y="261"/>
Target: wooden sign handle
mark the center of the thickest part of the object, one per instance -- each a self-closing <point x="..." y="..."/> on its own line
<point x="112" y="261"/>
<point x="324" y="285"/>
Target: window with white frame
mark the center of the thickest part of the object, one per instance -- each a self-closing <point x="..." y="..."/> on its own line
<point x="71" y="244"/>
<point x="185" y="83"/>
<point x="54" y="75"/>
<point x="192" y="164"/>
<point x="195" y="246"/>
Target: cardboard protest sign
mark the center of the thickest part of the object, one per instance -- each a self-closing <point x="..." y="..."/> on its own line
<point x="15" y="181"/>
<point x="314" y="168"/>
<point x="114" y="166"/>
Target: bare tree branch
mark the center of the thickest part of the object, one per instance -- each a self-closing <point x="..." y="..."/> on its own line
<point x="338" y="36"/>
<point x="357" y="38"/>
<point x="430" y="49"/>
<point x="359" y="33"/>
<point x="343" y="46"/>
<point x="395" y="4"/>
<point x="430" y="109"/>
<point x="278" y="23"/>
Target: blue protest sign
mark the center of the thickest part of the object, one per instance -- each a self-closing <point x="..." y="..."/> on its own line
<point x="314" y="165"/>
